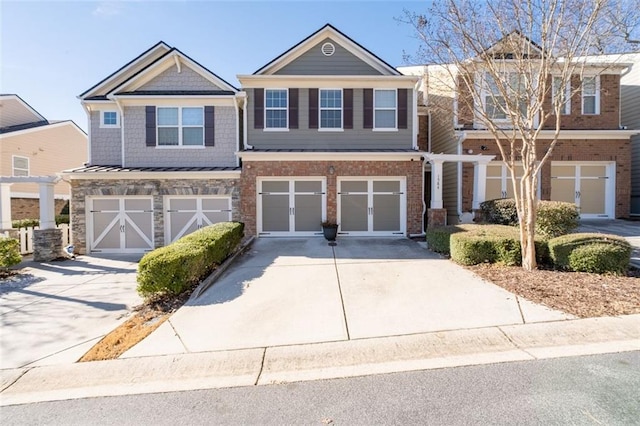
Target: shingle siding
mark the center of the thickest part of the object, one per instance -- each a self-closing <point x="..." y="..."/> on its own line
<point x="138" y="154"/>
<point x="187" y="79"/>
<point x="305" y="138"/>
<point x="106" y="143"/>
<point x="314" y="62"/>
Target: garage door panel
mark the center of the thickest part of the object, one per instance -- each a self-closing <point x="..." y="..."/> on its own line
<point x="215" y="217"/>
<point x="386" y="212"/>
<point x="354" y="186"/>
<point x="308" y="212"/>
<point x="275" y="212"/>
<point x="189" y="204"/>
<point x="307" y="186"/>
<point x="106" y="231"/>
<point x="106" y="205"/>
<point x="563" y="190"/>
<point x="275" y="186"/>
<point x="593" y="171"/>
<point x="137" y="204"/>
<point x="494" y="189"/>
<point x="215" y="204"/>
<point x="592" y="196"/>
<point x="354" y="215"/>
<point x="386" y="186"/>
<point x="181" y="224"/>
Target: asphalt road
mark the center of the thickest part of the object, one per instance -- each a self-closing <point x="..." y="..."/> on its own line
<point x="600" y="389"/>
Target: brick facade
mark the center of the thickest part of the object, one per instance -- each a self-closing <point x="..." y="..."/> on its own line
<point x="617" y="150"/>
<point x="157" y="188"/>
<point x="29" y="208"/>
<point x="412" y="170"/>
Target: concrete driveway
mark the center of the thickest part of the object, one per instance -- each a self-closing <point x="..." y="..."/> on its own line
<point x="52" y="313"/>
<point x="630" y="230"/>
<point x="299" y="291"/>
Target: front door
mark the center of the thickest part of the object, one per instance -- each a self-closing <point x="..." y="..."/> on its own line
<point x="371" y="206"/>
<point x="291" y="207"/>
<point x="121" y="224"/>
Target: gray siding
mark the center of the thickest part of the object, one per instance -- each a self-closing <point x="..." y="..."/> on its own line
<point x="630" y="117"/>
<point x="106" y="145"/>
<point x="314" y="62"/>
<point x="635" y="175"/>
<point x="305" y="138"/>
<point x="450" y="192"/>
<point x="137" y="154"/>
<point x="187" y="79"/>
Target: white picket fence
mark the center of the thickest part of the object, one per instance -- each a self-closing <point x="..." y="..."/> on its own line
<point x="26" y="237"/>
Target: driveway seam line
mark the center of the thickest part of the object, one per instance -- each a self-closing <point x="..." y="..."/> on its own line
<point x="344" y="311"/>
<point x="515" y="344"/>
<point x="178" y="336"/>
<point x="264" y="355"/>
<point x="520" y="309"/>
<point x="17" y="378"/>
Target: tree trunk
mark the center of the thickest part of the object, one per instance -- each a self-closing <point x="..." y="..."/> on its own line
<point x="527" y="227"/>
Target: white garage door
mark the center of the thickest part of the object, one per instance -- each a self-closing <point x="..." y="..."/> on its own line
<point x="371" y="206"/>
<point x="187" y="214"/>
<point x="590" y="185"/>
<point x="120" y="224"/>
<point x="290" y="206"/>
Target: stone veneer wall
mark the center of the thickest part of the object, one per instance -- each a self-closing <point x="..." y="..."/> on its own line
<point x="412" y="170"/>
<point x="158" y="188"/>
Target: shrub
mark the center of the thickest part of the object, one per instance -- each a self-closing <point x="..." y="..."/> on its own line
<point x="25" y="223"/>
<point x="9" y="252"/>
<point x="438" y="237"/>
<point x="500" y="212"/>
<point x="470" y="249"/>
<point x="555" y="218"/>
<point x="178" y="266"/>
<point x="560" y="248"/>
<point x="600" y="258"/>
<point x="62" y="218"/>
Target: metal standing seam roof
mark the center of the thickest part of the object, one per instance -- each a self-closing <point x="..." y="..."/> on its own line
<point x="118" y="169"/>
<point x="409" y="150"/>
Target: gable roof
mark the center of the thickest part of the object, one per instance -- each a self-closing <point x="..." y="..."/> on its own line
<point x="514" y="38"/>
<point x="6" y="132"/>
<point x="173" y="56"/>
<point x="332" y="32"/>
<point x="16" y="112"/>
<point x="158" y="48"/>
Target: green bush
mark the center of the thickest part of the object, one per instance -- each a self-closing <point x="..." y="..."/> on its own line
<point x="560" y="248"/>
<point x="555" y="218"/>
<point x="470" y="249"/>
<point x="500" y="212"/>
<point x="9" y="252"/>
<point x="600" y="258"/>
<point x="62" y="218"/>
<point x="25" y="223"/>
<point x="438" y="237"/>
<point x="178" y="266"/>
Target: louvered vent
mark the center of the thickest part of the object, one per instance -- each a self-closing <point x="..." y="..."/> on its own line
<point x="328" y="49"/>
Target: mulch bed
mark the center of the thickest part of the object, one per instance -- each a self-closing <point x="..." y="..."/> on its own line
<point x="581" y="294"/>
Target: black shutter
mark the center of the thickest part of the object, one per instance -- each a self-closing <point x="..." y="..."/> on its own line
<point x="293" y="108"/>
<point x="258" y="109"/>
<point x="402" y="108"/>
<point x="313" y="108"/>
<point x="368" y="109"/>
<point x="209" y="126"/>
<point x="348" y="108"/>
<point x="150" y="112"/>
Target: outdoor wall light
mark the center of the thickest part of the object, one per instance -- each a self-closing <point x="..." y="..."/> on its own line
<point x="469" y="151"/>
<point x="332" y="169"/>
<point x="483" y="147"/>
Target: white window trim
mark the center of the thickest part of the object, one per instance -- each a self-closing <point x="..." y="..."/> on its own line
<point x="597" y="95"/>
<point x="180" y="127"/>
<point x="330" y="129"/>
<point x="13" y="165"/>
<point x="109" y="126"/>
<point x="276" y="129"/>
<point x="567" y="95"/>
<point x="385" y="129"/>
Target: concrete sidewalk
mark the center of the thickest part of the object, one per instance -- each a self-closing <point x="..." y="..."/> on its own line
<point x="53" y="312"/>
<point x="260" y="366"/>
<point x="299" y="291"/>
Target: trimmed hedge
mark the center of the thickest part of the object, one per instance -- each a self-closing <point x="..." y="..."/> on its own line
<point x="28" y="223"/>
<point x="438" y="237"/>
<point x="554" y="218"/>
<point x="9" y="252"/>
<point x="183" y="263"/>
<point x="600" y="258"/>
<point x="560" y="248"/>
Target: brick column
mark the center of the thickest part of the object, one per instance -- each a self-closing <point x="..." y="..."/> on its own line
<point x="436" y="217"/>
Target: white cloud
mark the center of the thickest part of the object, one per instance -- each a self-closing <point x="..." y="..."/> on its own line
<point x="108" y="8"/>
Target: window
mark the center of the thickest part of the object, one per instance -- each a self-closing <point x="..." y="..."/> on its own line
<point x="275" y="110"/>
<point x="330" y="108"/>
<point x="180" y="126"/>
<point x="564" y="95"/>
<point x="496" y="106"/>
<point x="109" y="119"/>
<point x="20" y="166"/>
<point x="494" y="102"/>
<point x="591" y="95"/>
<point x="384" y="105"/>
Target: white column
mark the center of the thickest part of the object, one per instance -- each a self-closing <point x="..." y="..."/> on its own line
<point x="47" y="206"/>
<point x="479" y="184"/>
<point x="436" y="184"/>
<point x="5" y="206"/>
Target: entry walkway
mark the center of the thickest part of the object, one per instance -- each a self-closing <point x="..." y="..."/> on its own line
<point x="53" y="312"/>
<point x="299" y="291"/>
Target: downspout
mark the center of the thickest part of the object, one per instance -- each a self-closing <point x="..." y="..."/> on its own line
<point x="236" y="107"/>
<point x="245" y="123"/>
<point x="87" y="109"/>
<point x="461" y="137"/>
<point x="415" y="114"/>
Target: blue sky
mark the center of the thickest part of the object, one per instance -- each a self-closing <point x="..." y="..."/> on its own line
<point x="52" y="51"/>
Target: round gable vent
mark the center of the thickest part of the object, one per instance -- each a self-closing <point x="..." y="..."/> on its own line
<point x="328" y="49"/>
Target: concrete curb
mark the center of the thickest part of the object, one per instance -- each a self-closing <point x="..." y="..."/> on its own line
<point x="211" y="279"/>
<point x="260" y="366"/>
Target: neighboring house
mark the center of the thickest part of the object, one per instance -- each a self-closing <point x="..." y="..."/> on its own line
<point x="331" y="134"/>
<point x="31" y="145"/>
<point x="630" y="118"/>
<point x="590" y="165"/>
<point x="163" y="137"/>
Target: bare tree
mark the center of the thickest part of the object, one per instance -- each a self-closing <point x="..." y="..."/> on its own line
<point x="514" y="65"/>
